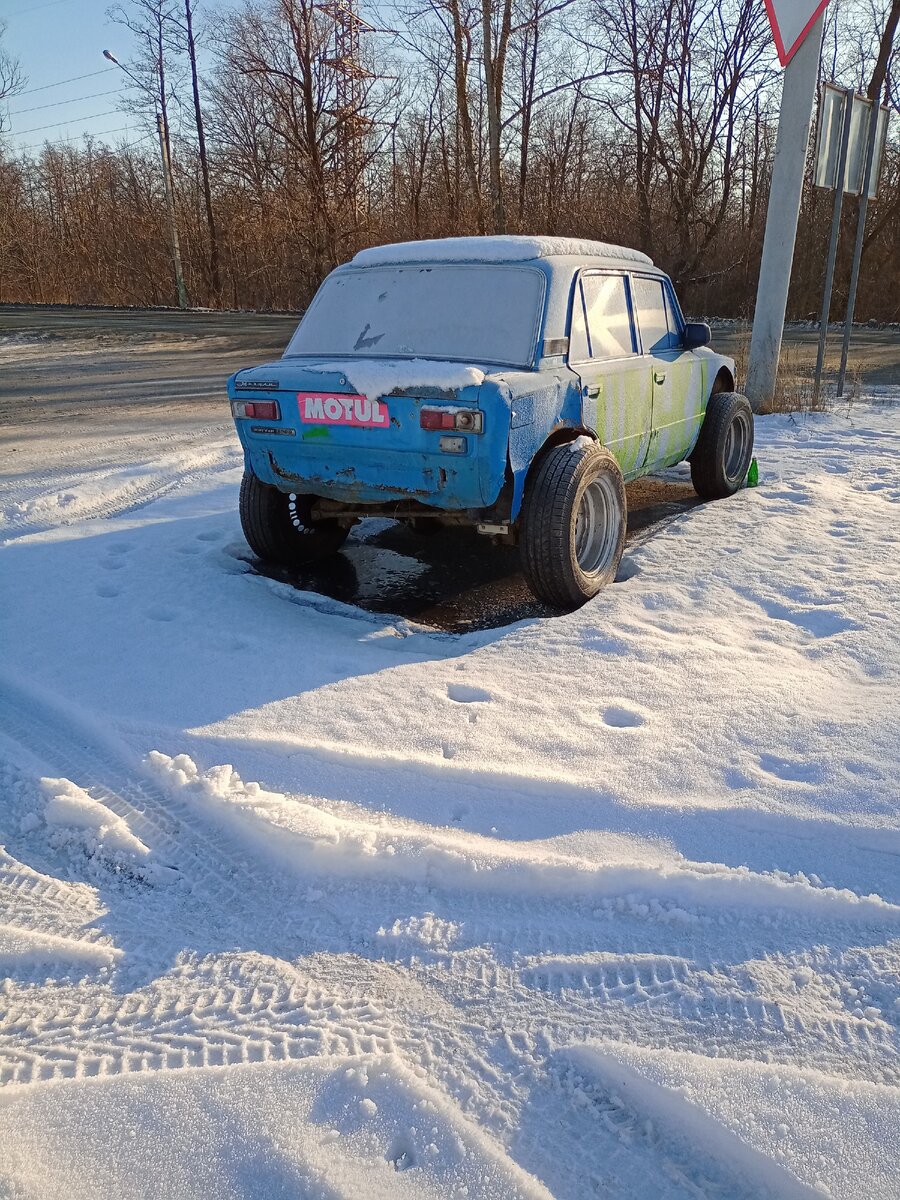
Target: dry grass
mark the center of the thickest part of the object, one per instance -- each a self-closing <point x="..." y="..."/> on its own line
<point x="795" y="390"/>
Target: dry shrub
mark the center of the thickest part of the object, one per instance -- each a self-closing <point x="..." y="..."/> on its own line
<point x="795" y="389"/>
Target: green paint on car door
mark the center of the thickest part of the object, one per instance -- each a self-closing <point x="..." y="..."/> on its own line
<point x="617" y="397"/>
<point x="678" y="375"/>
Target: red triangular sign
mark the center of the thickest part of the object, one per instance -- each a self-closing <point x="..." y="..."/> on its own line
<point x="791" y="21"/>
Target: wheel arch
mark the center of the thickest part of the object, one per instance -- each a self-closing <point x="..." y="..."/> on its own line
<point x="558" y="436"/>
<point x="723" y="382"/>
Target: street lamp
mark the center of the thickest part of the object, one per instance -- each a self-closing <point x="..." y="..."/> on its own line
<point x="169" y="184"/>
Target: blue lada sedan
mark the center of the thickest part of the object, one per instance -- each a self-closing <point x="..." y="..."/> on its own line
<point x="509" y="383"/>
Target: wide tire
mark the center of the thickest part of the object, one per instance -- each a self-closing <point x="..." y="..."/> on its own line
<point x="573" y="524"/>
<point x="278" y="527"/>
<point x="721" y="458"/>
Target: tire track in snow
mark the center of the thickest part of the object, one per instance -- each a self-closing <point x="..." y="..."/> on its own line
<point x="498" y="1021"/>
<point x="132" y="494"/>
<point x="156" y="1030"/>
<point x="694" y="993"/>
<point x="21" y="885"/>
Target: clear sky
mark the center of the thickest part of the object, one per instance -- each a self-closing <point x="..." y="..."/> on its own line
<point x="55" y="40"/>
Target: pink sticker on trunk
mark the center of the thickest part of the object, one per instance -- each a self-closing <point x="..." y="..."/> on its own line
<point x="338" y="408"/>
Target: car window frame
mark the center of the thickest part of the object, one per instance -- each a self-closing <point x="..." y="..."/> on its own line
<point x="668" y="293"/>
<point x="676" y="309"/>
<point x="578" y="297"/>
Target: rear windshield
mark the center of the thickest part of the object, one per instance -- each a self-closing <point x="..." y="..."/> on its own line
<point x="479" y="314"/>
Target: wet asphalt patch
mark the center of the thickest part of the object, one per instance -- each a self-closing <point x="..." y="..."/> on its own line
<point x="453" y="579"/>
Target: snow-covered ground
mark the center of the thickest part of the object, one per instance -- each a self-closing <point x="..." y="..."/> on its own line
<point x="300" y="901"/>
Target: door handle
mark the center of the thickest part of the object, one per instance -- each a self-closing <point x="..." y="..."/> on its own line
<point x="593" y="392"/>
<point x="659" y="379"/>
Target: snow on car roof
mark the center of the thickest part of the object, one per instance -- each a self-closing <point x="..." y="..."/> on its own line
<point x="502" y="248"/>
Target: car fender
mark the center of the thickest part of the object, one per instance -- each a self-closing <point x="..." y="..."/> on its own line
<point x="714" y="364"/>
<point x="540" y="407"/>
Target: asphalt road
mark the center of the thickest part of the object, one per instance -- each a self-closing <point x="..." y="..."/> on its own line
<point x="113" y="375"/>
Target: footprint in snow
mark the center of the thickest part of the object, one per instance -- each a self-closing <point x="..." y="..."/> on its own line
<point x="606" y="644"/>
<point x="209" y="535"/>
<point x="464" y="693"/>
<point x="115" y="553"/>
<point x="161" y="613"/>
<point x="736" y="779"/>
<point x="794" y="492"/>
<point x="791" y="771"/>
<point x="108" y="591"/>
<point x="622" y="718"/>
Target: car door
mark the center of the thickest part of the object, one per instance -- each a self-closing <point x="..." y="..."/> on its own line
<point x="616" y="384"/>
<point x="677" y="374"/>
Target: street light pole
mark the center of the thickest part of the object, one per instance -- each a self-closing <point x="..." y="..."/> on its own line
<point x="169" y="189"/>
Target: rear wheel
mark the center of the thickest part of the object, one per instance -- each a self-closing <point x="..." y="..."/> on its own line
<point x="573" y="524"/>
<point x="279" y="529"/>
<point x="721" y="458"/>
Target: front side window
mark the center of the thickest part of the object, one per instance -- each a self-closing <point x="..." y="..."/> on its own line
<point x="601" y="319"/>
<point x="460" y="312"/>
<point x="660" y="329"/>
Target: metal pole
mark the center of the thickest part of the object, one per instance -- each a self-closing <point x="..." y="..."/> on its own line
<point x="801" y="77"/>
<point x="858" y="247"/>
<point x="832" y="245"/>
<point x="170" y="209"/>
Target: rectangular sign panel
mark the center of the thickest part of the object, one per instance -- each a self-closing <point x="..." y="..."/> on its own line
<point x="828" y="142"/>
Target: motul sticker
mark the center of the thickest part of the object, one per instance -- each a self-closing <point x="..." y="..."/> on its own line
<point x="337" y="408"/>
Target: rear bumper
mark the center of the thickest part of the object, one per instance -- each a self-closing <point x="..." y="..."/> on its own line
<point x="446" y="481"/>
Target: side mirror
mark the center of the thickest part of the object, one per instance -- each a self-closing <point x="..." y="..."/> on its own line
<point x="696" y="334"/>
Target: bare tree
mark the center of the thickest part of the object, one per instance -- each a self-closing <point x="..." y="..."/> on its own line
<point x="645" y="122"/>
<point x="12" y="80"/>
<point x="191" y="46"/>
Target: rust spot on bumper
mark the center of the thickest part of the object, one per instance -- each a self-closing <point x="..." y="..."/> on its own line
<point x="357" y="489"/>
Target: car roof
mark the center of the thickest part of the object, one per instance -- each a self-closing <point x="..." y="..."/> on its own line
<point x="505" y="248"/>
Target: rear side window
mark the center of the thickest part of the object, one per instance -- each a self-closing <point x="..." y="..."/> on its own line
<point x="601" y="319"/>
<point x="660" y="327"/>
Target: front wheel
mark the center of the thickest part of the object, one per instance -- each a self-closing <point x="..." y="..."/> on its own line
<point x="279" y="529"/>
<point x="573" y="524"/>
<point x="721" y="458"/>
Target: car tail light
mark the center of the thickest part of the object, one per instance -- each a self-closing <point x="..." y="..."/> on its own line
<point x="257" y="410"/>
<point x="459" y="420"/>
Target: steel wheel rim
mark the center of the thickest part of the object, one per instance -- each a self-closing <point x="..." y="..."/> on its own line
<point x="737" y="441"/>
<point x="596" y="526"/>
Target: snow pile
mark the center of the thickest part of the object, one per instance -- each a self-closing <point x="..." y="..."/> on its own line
<point x="375" y="378"/>
<point x="303" y="837"/>
<point x="331" y="1129"/>
<point x="785" y="1130"/>
<point x="428" y="930"/>
<point x="499" y="248"/>
<point x="82" y="825"/>
<point x="29" y="947"/>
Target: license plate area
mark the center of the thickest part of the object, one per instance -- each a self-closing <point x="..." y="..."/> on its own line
<point x="342" y="408"/>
